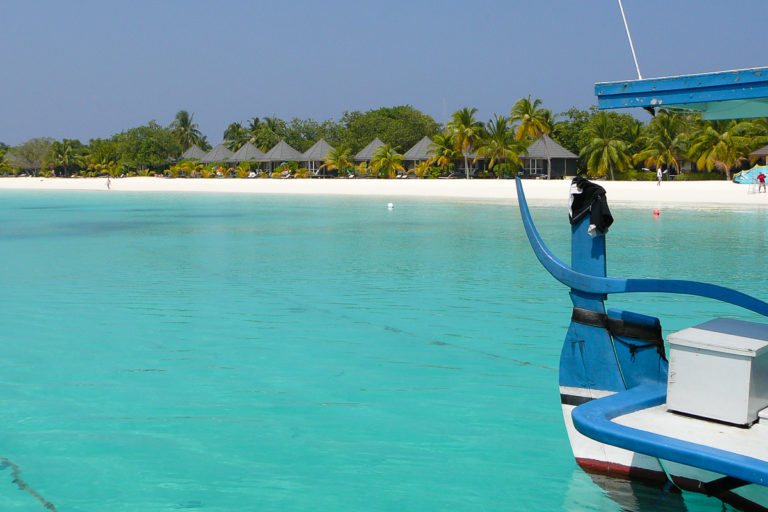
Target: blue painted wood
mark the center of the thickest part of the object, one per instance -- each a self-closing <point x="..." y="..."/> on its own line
<point x="745" y="84"/>
<point x="638" y="366"/>
<point x="586" y="283"/>
<point x="593" y="419"/>
<point x="587" y="359"/>
<point x="587" y="253"/>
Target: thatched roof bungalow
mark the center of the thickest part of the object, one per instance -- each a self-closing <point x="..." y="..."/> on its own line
<point x="282" y="152"/>
<point x="366" y="154"/>
<point x="193" y="153"/>
<point x="535" y="159"/>
<point x="218" y="154"/>
<point x="418" y="153"/>
<point x="315" y="155"/>
<point x="248" y="153"/>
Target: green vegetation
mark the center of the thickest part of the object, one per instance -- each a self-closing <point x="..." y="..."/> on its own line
<point x="466" y="132"/>
<point x="606" y="150"/>
<point x="498" y="144"/>
<point x="187" y="132"/>
<point x="387" y="162"/>
<point x="721" y="145"/>
<point x="534" y="122"/>
<point x="338" y="159"/>
<point x="608" y="144"/>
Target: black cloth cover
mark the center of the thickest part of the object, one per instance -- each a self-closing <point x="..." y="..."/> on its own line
<point x="588" y="197"/>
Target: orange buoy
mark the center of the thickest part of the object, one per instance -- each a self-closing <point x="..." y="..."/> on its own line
<point x="656" y="212"/>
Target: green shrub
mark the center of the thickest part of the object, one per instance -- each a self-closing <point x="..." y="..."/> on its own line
<point x="435" y="172"/>
<point x="633" y="175"/>
<point x="700" y="176"/>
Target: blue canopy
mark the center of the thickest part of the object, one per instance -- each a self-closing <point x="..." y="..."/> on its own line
<point x="750" y="177"/>
<point x="722" y="95"/>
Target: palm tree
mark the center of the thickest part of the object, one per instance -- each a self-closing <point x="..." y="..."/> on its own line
<point x="634" y="137"/>
<point x="186" y="132"/>
<point x="386" y="161"/>
<point x="443" y="149"/>
<point x="663" y="145"/>
<point x="253" y="124"/>
<point x="337" y="158"/>
<point x="721" y="144"/>
<point x="235" y="136"/>
<point x="604" y="151"/>
<point x="65" y="155"/>
<point x="466" y="131"/>
<point x="758" y="131"/>
<point x="204" y="144"/>
<point x="498" y="143"/>
<point x="422" y="168"/>
<point x="362" y="169"/>
<point x="534" y="122"/>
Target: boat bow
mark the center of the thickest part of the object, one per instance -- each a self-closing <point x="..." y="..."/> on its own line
<point x="607" y="285"/>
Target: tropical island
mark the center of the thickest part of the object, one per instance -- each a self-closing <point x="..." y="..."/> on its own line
<point x="402" y="142"/>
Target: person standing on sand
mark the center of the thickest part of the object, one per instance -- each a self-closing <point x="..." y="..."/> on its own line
<point x="761" y="180"/>
<point x="658" y="176"/>
<point x="108" y="182"/>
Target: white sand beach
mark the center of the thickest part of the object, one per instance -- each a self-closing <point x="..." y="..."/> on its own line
<point x="697" y="194"/>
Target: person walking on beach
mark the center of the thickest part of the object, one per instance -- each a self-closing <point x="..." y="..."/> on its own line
<point x="658" y="176"/>
<point x="108" y="182"/>
<point x="761" y="181"/>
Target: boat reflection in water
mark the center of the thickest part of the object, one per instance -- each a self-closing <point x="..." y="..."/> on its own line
<point x="631" y="495"/>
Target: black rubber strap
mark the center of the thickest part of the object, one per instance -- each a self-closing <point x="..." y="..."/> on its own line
<point x="589" y="317"/>
<point x="721" y="485"/>
<point x="622" y="328"/>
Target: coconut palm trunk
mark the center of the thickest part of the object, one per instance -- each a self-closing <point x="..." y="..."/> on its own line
<point x="466" y="165"/>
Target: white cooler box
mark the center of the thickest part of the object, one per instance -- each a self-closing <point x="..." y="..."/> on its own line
<point x="719" y="370"/>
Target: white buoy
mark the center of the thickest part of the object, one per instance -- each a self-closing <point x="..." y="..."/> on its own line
<point x="390" y="206"/>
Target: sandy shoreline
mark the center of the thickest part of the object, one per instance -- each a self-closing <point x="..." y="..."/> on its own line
<point x="629" y="193"/>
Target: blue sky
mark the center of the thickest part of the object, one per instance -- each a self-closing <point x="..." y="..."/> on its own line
<point x="88" y="69"/>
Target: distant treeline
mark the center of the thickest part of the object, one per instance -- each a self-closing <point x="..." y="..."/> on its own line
<point x="608" y="143"/>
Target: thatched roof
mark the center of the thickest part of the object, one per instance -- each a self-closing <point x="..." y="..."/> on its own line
<point x="420" y="151"/>
<point x="282" y="152"/>
<point x="760" y="152"/>
<point x="317" y="152"/>
<point x="193" y="152"/>
<point x="218" y="154"/>
<point x="366" y="154"/>
<point x="538" y="150"/>
<point x="248" y="153"/>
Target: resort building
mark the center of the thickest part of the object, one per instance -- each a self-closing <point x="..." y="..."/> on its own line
<point x="280" y="154"/>
<point x="248" y="153"/>
<point x="535" y="159"/>
<point x="759" y="155"/>
<point x="366" y="154"/>
<point x="193" y="153"/>
<point x="419" y="153"/>
<point x="218" y="154"/>
<point x="315" y="156"/>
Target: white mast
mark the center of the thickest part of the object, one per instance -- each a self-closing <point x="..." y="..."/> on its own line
<point x="632" y="47"/>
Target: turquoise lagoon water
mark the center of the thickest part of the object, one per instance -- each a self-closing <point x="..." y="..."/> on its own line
<point x="224" y="353"/>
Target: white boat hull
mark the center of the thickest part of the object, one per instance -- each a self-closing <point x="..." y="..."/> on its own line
<point x="596" y="457"/>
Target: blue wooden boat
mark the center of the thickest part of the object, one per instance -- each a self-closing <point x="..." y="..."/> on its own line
<point x="696" y="417"/>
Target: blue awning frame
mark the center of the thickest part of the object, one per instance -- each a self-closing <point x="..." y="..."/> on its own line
<point x="736" y="94"/>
